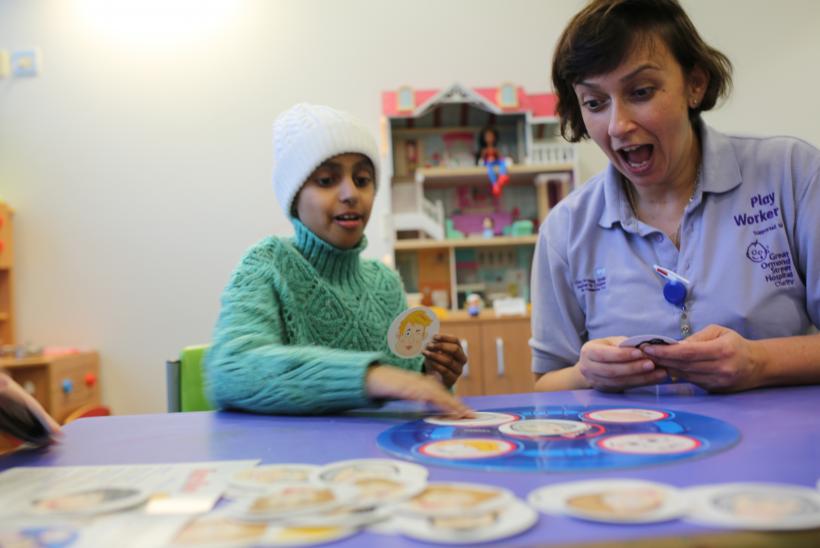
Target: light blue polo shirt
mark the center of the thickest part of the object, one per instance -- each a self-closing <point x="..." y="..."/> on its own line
<point x="750" y="246"/>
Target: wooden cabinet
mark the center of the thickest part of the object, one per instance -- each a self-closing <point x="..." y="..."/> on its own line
<point x="6" y="275"/>
<point x="62" y="384"/>
<point x="498" y="353"/>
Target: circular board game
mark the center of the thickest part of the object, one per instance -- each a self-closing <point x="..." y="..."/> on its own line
<point x="560" y="438"/>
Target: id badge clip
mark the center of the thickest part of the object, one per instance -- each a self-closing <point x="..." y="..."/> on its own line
<point x="676" y="287"/>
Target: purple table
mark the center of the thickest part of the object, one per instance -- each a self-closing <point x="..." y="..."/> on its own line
<point x="780" y="442"/>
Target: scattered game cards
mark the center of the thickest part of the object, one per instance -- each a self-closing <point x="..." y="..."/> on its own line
<point x="285" y="501"/>
<point x="376" y="481"/>
<point x="456" y="499"/>
<point x="262" y="478"/>
<point x="762" y="506"/>
<point x="89" y="501"/>
<point x="611" y="501"/>
<point x="220" y="530"/>
<point x="411" y="331"/>
<point x="488" y="525"/>
<point x="35" y="533"/>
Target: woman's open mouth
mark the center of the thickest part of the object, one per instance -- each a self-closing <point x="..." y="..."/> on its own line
<point x="637" y="157"/>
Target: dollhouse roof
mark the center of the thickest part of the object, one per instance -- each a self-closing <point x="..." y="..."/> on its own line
<point x="539" y="105"/>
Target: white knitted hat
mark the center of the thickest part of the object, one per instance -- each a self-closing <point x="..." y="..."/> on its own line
<point x="306" y="135"/>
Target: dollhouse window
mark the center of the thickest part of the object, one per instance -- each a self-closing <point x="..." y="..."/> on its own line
<point x="507" y="96"/>
<point x="406" y="99"/>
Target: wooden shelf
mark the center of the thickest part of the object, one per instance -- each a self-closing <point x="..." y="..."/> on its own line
<point x="520" y="174"/>
<point x="498" y="241"/>
<point x="486" y="314"/>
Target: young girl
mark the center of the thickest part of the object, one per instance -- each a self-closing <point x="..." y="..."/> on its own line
<point x="304" y="320"/>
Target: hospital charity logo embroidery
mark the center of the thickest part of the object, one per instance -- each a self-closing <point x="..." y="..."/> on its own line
<point x="595" y="283"/>
<point x="777" y="267"/>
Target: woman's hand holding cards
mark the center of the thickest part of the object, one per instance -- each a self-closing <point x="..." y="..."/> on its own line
<point x="609" y="367"/>
<point x="715" y="358"/>
<point x="384" y="381"/>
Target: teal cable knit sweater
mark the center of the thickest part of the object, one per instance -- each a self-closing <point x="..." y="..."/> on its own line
<point x="301" y="321"/>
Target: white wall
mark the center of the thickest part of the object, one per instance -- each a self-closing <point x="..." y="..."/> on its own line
<point x="139" y="166"/>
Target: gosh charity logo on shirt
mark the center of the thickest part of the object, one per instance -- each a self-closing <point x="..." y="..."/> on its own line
<point x="595" y="283"/>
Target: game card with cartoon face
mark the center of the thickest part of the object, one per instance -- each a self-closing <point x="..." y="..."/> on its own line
<point x="411" y="331"/>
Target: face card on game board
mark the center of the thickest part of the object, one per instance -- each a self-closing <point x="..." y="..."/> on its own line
<point x="761" y="506"/>
<point x="456" y="499"/>
<point x="482" y="418"/>
<point x="638" y="341"/>
<point x="411" y="331"/>
<point x="89" y="501"/>
<point x="514" y="518"/>
<point x="625" y="415"/>
<point x="611" y="501"/>
<point x="545" y="428"/>
<point x="467" y="448"/>
<point x="654" y="443"/>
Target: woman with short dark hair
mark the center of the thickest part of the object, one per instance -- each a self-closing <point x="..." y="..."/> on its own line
<point x="689" y="233"/>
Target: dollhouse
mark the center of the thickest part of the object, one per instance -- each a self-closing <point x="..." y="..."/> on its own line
<point x="463" y="235"/>
<point x="432" y="138"/>
<point x="456" y="230"/>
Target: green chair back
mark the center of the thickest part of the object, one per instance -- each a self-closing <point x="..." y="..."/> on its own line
<point x="186" y="385"/>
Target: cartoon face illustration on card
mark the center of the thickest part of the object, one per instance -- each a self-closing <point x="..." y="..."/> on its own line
<point x="411" y="331"/>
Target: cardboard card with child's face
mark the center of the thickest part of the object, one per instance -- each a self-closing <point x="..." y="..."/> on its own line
<point x="411" y="331"/>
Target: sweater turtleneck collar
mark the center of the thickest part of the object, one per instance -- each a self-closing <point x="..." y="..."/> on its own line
<point x="328" y="260"/>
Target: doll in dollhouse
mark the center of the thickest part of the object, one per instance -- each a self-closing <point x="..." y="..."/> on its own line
<point x="490" y="156"/>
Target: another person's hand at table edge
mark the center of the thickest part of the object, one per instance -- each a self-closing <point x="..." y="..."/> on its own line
<point x="10" y="390"/>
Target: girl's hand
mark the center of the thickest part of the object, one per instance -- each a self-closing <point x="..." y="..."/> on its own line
<point x="445" y="356"/>
<point x="384" y="381"/>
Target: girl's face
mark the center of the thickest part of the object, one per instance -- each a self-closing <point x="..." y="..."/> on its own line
<point x="336" y="200"/>
<point x="638" y="114"/>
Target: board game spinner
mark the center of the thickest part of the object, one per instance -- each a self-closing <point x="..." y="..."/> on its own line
<point x="560" y="438"/>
